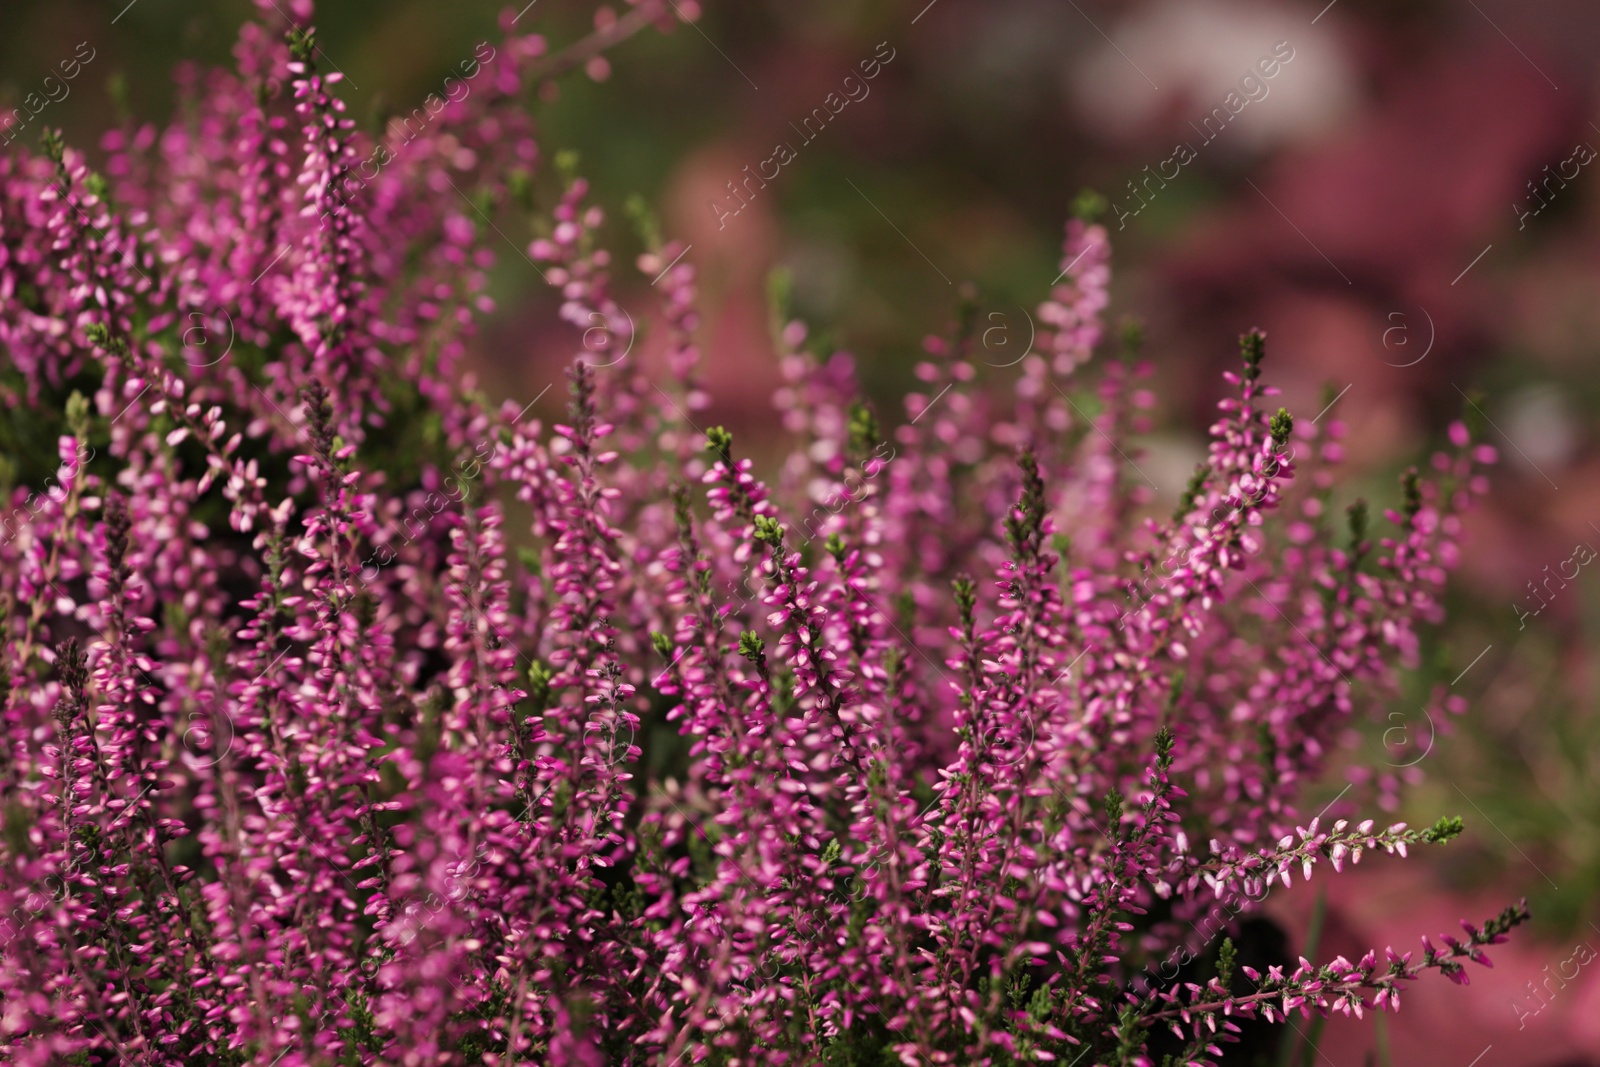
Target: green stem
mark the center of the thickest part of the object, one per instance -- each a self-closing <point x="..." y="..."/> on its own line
<point x="1319" y="912"/>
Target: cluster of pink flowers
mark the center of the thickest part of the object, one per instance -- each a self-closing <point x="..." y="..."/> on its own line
<point x="347" y="717"/>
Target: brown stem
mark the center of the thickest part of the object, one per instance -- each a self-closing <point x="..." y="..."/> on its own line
<point x="580" y="52"/>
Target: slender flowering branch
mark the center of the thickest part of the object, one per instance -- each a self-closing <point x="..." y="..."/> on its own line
<point x="349" y="716"/>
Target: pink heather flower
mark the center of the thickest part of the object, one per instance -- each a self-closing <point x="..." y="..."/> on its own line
<point x="345" y="717"/>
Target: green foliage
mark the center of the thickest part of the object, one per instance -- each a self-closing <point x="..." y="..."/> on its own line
<point x="17" y="823"/>
<point x="780" y="298"/>
<point x="1089" y="205"/>
<point x="99" y="335"/>
<point x="1411" y="484"/>
<point x="302" y="45"/>
<point x="864" y="432"/>
<point x="1357" y="513"/>
<point x="644" y="221"/>
<point x="966" y="598"/>
<point x="539" y="689"/>
<point x="1267" y="742"/>
<point x="752" y="647"/>
<point x="720" y="441"/>
<point x="486" y="1037"/>
<point x="1253" y="347"/>
<point x="769" y="531"/>
<point x="1133" y="336"/>
<point x="362" y="1032"/>
<point x="1025" y="526"/>
<point x="1281" y="426"/>
<point x="866" y="1044"/>
<point x="1447" y="828"/>
<point x="1164" y="743"/>
<point x="1227" y="956"/>
<point x="1112" y="806"/>
<point x="1197" y="482"/>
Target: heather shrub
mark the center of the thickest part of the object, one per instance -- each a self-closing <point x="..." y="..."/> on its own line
<point x="351" y="717"/>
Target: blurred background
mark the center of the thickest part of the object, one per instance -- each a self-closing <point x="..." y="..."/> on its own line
<point x="1397" y="191"/>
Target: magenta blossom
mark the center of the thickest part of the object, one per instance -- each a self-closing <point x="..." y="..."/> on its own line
<point x="348" y="718"/>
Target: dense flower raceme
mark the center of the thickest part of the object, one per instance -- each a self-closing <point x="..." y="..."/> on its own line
<point x="348" y="718"/>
